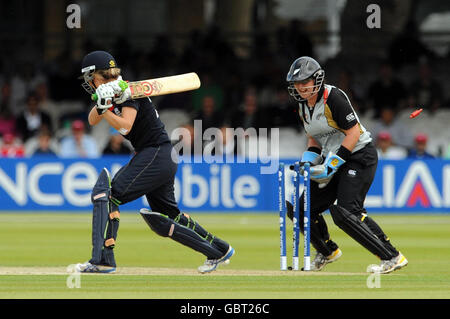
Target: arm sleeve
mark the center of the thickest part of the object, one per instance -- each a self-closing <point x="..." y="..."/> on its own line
<point x="341" y="109"/>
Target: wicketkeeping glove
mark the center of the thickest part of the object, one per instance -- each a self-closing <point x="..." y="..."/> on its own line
<point x="105" y="96"/>
<point x="311" y="157"/>
<point x="322" y="174"/>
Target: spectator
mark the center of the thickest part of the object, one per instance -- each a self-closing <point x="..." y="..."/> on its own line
<point x="386" y="91"/>
<point x="32" y="119"/>
<point x="425" y="91"/>
<point x="420" y="146"/>
<point x="78" y="144"/>
<point x="11" y="146"/>
<point x="386" y="150"/>
<point x="44" y="147"/>
<point x="250" y="114"/>
<point x="207" y="89"/>
<point x="398" y="131"/>
<point x="208" y="114"/>
<point x="116" y="145"/>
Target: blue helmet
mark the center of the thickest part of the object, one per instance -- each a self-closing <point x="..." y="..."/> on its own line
<point x="304" y="69"/>
<point x="94" y="61"/>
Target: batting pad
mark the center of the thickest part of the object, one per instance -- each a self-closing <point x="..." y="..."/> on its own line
<point x="166" y="227"/>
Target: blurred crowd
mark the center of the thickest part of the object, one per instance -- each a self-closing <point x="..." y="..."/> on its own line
<point x="43" y="109"/>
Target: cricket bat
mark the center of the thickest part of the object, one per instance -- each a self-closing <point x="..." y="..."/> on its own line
<point x="160" y="86"/>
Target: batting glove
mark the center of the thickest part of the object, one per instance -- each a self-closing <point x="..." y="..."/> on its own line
<point x="322" y="174"/>
<point x="105" y="96"/>
<point x="121" y="90"/>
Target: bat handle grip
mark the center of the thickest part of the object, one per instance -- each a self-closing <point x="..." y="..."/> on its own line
<point x="122" y="84"/>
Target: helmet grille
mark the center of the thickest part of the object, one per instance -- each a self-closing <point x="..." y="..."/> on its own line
<point x="318" y="81"/>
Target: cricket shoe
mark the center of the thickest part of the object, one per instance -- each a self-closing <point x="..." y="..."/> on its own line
<point x="320" y="260"/>
<point x="211" y="264"/>
<point x="87" y="267"/>
<point x="387" y="266"/>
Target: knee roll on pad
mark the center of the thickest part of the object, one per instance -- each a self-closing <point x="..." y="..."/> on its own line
<point x="102" y="188"/>
<point x="359" y="231"/>
<point x="159" y="223"/>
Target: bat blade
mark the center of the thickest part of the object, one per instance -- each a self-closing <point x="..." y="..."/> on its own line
<point x="165" y="85"/>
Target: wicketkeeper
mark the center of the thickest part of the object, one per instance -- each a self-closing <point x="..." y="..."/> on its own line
<point x="151" y="172"/>
<point x="345" y="163"/>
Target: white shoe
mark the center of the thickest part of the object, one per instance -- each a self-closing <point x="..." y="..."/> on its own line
<point x="87" y="267"/>
<point x="211" y="264"/>
<point x="320" y="260"/>
<point x="387" y="266"/>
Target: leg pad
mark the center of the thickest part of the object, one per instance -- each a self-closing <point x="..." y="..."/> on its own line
<point x="187" y="221"/>
<point x="105" y="217"/>
<point x="359" y="231"/>
<point x="166" y="227"/>
<point x="100" y="199"/>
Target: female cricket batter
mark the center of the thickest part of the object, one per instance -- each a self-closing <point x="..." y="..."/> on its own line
<point x="343" y="148"/>
<point x="151" y="172"/>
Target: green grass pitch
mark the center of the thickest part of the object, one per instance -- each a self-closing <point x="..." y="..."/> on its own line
<point x="36" y="249"/>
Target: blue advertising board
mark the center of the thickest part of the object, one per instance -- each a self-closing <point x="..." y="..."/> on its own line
<point x="53" y="184"/>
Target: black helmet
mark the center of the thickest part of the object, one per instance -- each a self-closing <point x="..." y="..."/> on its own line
<point x="94" y="61"/>
<point x="304" y="69"/>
